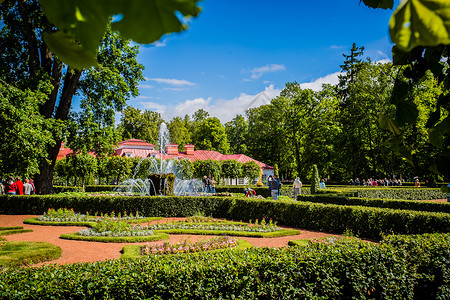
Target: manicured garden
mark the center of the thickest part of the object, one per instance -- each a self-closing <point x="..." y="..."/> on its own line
<point x="396" y="266"/>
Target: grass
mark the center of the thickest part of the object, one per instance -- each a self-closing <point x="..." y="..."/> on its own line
<point x="116" y="239"/>
<point x="12" y="230"/>
<point x="132" y="251"/>
<point x="19" y="253"/>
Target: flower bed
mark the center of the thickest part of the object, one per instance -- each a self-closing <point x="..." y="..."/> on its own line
<point x="108" y="229"/>
<point x="68" y="217"/>
<point x="208" y="223"/>
<point x="114" y="228"/>
<point x="221" y="242"/>
<point x="209" y="226"/>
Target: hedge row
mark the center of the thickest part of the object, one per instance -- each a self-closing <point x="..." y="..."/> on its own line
<point x="342" y="270"/>
<point x="374" y="202"/>
<point x="370" y="222"/>
<point x="412" y="193"/>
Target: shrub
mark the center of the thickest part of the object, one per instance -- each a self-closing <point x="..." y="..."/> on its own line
<point x="315" y="184"/>
<point x="336" y="270"/>
<point x="341" y="199"/>
<point x="370" y="222"/>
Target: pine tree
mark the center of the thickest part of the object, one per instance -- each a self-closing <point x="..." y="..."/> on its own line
<point x="352" y="65"/>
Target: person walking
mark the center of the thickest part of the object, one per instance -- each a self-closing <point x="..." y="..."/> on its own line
<point x="297" y="186"/>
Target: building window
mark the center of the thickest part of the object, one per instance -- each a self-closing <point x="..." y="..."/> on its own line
<point x="128" y="154"/>
<point x="241" y="181"/>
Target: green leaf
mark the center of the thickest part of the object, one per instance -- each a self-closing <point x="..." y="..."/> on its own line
<point x="420" y="23"/>
<point x="146" y="21"/>
<point x="433" y="56"/>
<point x="86" y="20"/>
<point x="437" y="133"/>
<point x="64" y="46"/>
<point x="143" y="21"/>
<point x="388" y="124"/>
<point x="406" y="112"/>
<point x="400" y="91"/>
<point x="405" y="152"/>
<point x="384" y="4"/>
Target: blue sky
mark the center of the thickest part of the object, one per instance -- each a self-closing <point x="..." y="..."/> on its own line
<point x="240" y="54"/>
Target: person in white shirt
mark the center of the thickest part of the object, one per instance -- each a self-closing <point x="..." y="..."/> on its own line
<point x="27" y="187"/>
<point x="297" y="186"/>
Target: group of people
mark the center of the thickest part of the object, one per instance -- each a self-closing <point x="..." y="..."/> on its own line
<point x="17" y="187"/>
<point x="209" y="184"/>
<point x="376" y="182"/>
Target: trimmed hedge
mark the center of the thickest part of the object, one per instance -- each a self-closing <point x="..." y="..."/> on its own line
<point x="375" y="202"/>
<point x="116" y="239"/>
<point x="65" y="189"/>
<point x="370" y="222"/>
<point x="342" y="270"/>
<point x="35" y="221"/>
<point x="100" y="188"/>
<point x="272" y="234"/>
<point x="406" y="193"/>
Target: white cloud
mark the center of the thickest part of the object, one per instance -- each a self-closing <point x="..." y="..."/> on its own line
<point x="159" y="44"/>
<point x="224" y="109"/>
<point x="154" y="107"/>
<point x="316" y="85"/>
<point x="169" y="81"/>
<point x="337" y="47"/>
<point x="189" y="107"/>
<point x="270" y="68"/>
<point x="147" y="97"/>
<point x="146" y="86"/>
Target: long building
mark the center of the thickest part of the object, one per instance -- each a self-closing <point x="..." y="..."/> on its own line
<point x="140" y="148"/>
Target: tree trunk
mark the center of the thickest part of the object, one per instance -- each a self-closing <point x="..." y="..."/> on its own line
<point x="44" y="180"/>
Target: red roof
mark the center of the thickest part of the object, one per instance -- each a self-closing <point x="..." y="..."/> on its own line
<point x="135" y="142"/>
<point x="63" y="152"/>
<point x="135" y="152"/>
<point x="140" y="148"/>
<point x="214" y="155"/>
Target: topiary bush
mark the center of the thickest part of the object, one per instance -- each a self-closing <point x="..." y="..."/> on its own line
<point x="315" y="181"/>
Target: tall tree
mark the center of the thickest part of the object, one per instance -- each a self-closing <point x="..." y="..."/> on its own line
<point x="25" y="133"/>
<point x="237" y="130"/>
<point x="350" y="114"/>
<point x="419" y="31"/>
<point x="179" y="133"/>
<point x="140" y="125"/>
<point x="210" y="135"/>
<point x="24" y="51"/>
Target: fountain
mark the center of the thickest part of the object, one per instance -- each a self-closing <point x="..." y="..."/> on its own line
<point x="158" y="176"/>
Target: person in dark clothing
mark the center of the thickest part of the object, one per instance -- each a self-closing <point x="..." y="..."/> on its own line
<point x="273" y="187"/>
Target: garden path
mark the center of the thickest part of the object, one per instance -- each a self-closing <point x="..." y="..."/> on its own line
<point x="81" y="251"/>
